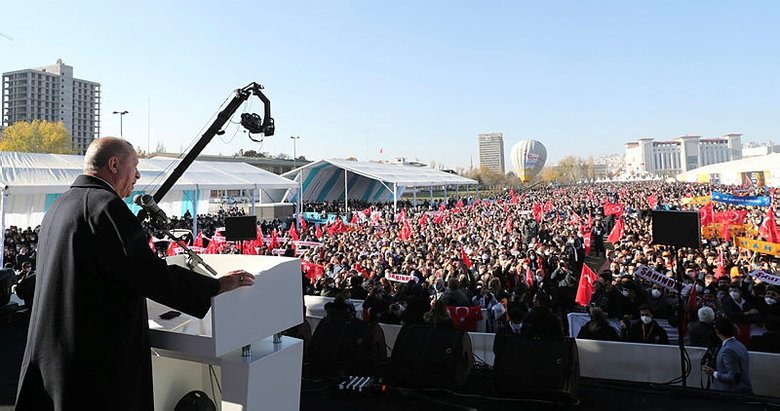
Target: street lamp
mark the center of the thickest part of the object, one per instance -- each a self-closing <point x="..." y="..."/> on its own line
<point x="121" y="115"/>
<point x="295" y="154"/>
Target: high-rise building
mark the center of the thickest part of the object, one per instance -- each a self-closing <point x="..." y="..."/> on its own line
<point x="51" y="93"/>
<point x="681" y="154"/>
<point x="491" y="151"/>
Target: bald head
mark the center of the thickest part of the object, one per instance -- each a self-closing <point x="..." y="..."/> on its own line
<point x="101" y="150"/>
<point x="115" y="161"/>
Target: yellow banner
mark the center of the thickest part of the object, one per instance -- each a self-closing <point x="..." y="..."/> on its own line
<point x="699" y="201"/>
<point x="714" y="230"/>
<point x="759" y="246"/>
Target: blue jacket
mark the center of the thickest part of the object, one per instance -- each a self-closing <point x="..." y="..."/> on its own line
<point x="733" y="370"/>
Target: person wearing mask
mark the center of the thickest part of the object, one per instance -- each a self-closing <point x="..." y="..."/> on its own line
<point x="647" y="330"/>
<point x="740" y="310"/>
<point x="732" y="365"/>
<point x="659" y="302"/>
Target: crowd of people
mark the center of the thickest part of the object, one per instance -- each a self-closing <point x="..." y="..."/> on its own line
<point x="519" y="257"/>
<point x="522" y="252"/>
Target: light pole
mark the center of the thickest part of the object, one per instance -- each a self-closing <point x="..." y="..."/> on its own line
<point x="295" y="154"/>
<point x="121" y="115"/>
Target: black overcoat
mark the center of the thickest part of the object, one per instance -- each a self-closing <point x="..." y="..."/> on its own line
<point x="88" y="341"/>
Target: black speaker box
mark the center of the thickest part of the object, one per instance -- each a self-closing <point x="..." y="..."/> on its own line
<point x="241" y="228"/>
<point x="349" y="345"/>
<point x="677" y="228"/>
<point x="429" y="357"/>
<point x="535" y="367"/>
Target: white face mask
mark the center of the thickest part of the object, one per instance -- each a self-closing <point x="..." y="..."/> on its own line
<point x="539" y="278"/>
<point x="770" y="301"/>
<point x="655" y="293"/>
<point x="734" y="295"/>
<point x="646" y="319"/>
<point x="625" y="293"/>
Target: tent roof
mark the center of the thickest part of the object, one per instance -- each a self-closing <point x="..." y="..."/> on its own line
<point x="406" y="176"/>
<point x="54" y="173"/>
<point x="758" y="163"/>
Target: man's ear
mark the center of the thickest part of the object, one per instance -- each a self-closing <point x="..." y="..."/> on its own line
<point x="113" y="164"/>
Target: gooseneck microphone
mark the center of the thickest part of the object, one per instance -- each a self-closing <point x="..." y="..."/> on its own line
<point x="147" y="203"/>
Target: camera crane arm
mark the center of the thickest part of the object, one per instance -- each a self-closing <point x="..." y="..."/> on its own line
<point x="251" y="122"/>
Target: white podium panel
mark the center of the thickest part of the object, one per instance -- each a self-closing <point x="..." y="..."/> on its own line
<point x="237" y="318"/>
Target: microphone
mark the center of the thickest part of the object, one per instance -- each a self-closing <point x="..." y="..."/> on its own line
<point x="147" y="203"/>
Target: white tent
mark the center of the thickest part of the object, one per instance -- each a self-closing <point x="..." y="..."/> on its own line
<point x="328" y="180"/>
<point x="760" y="170"/>
<point x="30" y="182"/>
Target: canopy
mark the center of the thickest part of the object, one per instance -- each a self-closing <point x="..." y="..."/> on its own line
<point x="328" y="180"/>
<point x="35" y="173"/>
<point x="30" y="182"/>
<point x="759" y="170"/>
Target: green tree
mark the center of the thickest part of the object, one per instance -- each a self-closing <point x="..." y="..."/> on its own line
<point x="38" y="136"/>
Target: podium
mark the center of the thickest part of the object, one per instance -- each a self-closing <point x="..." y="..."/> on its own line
<point x="233" y="349"/>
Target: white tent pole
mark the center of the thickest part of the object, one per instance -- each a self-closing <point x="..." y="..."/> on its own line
<point x="3" y="194"/>
<point x="430" y="191"/>
<point x="414" y="193"/>
<point x="254" y="194"/>
<point x="346" y="193"/>
<point x="395" y="200"/>
<point x="195" y="202"/>
<point x="445" y="194"/>
<point x="300" y="197"/>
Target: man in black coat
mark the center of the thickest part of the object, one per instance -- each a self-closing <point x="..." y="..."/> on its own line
<point x="88" y="340"/>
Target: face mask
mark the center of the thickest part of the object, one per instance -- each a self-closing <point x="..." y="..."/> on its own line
<point x="539" y="278"/>
<point x="734" y="295"/>
<point x="646" y="319"/>
<point x="655" y="293"/>
<point x="770" y="301"/>
<point x="625" y="293"/>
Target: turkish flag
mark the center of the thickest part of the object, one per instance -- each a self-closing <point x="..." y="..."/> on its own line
<point x="198" y="242"/>
<point x="537" y="212"/>
<point x="617" y="231"/>
<point x="354" y="219"/>
<point x="721" y="270"/>
<point x="585" y="287"/>
<point x="312" y="271"/>
<point x="439" y="218"/>
<point x="730" y="217"/>
<point x="575" y="219"/>
<point x="768" y="228"/>
<point x="652" y="201"/>
<point x="406" y="231"/>
<point x="317" y="231"/>
<point x="613" y="209"/>
<point x="367" y="211"/>
<point x="293" y="233"/>
<point x="547" y="206"/>
<point x="442" y="206"/>
<point x="304" y="226"/>
<point x="587" y="240"/>
<point x="274" y="241"/>
<point x="465" y="258"/>
<point x="423" y="220"/>
<point x="706" y="214"/>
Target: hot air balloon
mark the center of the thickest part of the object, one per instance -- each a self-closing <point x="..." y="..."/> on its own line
<point x="528" y="157"/>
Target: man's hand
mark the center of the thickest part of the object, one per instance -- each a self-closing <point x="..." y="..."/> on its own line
<point x="707" y="370"/>
<point x="235" y="279"/>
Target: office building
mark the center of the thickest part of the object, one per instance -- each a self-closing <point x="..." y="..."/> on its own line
<point x="491" y="152"/>
<point x="681" y="154"/>
<point x="51" y="93"/>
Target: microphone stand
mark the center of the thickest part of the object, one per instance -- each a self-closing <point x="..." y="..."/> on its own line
<point x="193" y="259"/>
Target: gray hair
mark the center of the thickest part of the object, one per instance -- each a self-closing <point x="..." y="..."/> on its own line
<point x="101" y="150"/>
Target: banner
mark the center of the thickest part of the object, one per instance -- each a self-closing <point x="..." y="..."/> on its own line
<point x="754" y="179"/>
<point x="715" y="230"/>
<point x="765" y="277"/>
<point x="655" y="277"/>
<point x="697" y="201"/>
<point x="754" y="201"/>
<point x="401" y="278"/>
<point x="759" y="246"/>
<point x="306" y="244"/>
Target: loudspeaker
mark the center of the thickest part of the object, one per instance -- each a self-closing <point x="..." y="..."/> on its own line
<point x="241" y="228"/>
<point x="536" y="367"/>
<point x="425" y="356"/>
<point x="350" y="345"/>
<point x="677" y="228"/>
